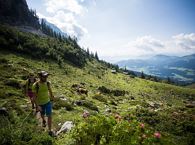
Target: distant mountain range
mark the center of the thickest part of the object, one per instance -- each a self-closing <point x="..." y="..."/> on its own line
<point x="181" y="69"/>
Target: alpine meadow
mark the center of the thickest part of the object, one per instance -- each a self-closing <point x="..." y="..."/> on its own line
<point x="95" y="102"/>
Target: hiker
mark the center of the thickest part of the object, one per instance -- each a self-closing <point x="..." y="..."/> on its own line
<point x="44" y="96"/>
<point x="28" y="89"/>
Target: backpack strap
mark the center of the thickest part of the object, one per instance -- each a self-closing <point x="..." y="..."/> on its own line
<point x="37" y="87"/>
<point x="48" y="85"/>
<point x="28" y="84"/>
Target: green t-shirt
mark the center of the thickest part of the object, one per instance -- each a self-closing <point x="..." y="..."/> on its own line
<point x="43" y="93"/>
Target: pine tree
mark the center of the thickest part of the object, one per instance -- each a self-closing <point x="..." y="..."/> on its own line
<point x="142" y="75"/>
<point x="96" y="56"/>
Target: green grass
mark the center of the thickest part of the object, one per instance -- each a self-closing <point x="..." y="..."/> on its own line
<point x="150" y="102"/>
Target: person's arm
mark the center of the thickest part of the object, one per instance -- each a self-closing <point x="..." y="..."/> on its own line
<point x="34" y="90"/>
<point x="50" y="92"/>
<point x="26" y="88"/>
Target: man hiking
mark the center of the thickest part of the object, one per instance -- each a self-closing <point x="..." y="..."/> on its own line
<point x="44" y="96"/>
<point x="28" y="89"/>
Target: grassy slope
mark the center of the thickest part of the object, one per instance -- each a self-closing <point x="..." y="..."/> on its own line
<point x="94" y="75"/>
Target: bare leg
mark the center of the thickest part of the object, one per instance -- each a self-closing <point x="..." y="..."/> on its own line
<point x="33" y="105"/>
<point x="49" y="121"/>
<point x="43" y="117"/>
<point x="43" y="120"/>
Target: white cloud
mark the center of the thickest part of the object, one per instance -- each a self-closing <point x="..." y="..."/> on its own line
<point x="64" y="14"/>
<point x="147" y="43"/>
<point x="185" y="41"/>
<point x="65" y="5"/>
<point x="181" y="44"/>
<point x="141" y="47"/>
<point x="67" y="23"/>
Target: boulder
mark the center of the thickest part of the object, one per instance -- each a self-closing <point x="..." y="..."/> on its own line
<point x="65" y="127"/>
<point x="78" y="102"/>
<point x="108" y="110"/>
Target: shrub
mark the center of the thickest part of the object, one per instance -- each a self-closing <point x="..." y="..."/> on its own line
<point x="3" y="60"/>
<point x="148" y="116"/>
<point x="20" y="132"/>
<point x="116" y="92"/>
<point x="90" y="105"/>
<point x="58" y="103"/>
<point x="103" y="89"/>
<point x="41" y="140"/>
<point x="13" y="83"/>
<point x="100" y="97"/>
<point x="106" y="131"/>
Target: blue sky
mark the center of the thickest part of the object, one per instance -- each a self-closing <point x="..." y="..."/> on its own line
<point x="125" y="29"/>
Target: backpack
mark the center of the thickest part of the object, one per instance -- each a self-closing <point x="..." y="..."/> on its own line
<point x="25" y="86"/>
<point x="37" y="86"/>
<point x="28" y="84"/>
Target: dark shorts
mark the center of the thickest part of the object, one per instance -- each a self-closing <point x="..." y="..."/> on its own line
<point x="46" y="109"/>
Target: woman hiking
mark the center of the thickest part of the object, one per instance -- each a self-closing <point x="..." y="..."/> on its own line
<point x="28" y="89"/>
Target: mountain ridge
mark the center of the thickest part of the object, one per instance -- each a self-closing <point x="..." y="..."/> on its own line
<point x="181" y="69"/>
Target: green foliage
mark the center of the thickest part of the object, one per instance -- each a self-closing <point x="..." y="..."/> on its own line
<point x="90" y="105"/>
<point x="21" y="132"/>
<point x="41" y="140"/>
<point x="58" y="103"/>
<point x="148" y="116"/>
<point x="3" y="61"/>
<point x="106" y="131"/>
<point x="103" y="89"/>
<point x="13" y="83"/>
<point x="100" y="97"/>
<point x="167" y="112"/>
<point x="116" y="92"/>
<point x="42" y="47"/>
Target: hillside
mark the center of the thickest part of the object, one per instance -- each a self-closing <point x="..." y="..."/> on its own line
<point x="180" y="69"/>
<point x="144" y="107"/>
<point x="16" y="12"/>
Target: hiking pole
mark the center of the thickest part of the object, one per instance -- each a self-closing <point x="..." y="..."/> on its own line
<point x="26" y="118"/>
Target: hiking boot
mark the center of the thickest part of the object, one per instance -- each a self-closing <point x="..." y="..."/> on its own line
<point x="44" y="123"/>
<point x="51" y="133"/>
<point x="35" y="113"/>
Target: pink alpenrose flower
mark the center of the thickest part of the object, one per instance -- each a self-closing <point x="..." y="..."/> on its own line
<point x="157" y="135"/>
<point x="142" y="125"/>
<point x="85" y="114"/>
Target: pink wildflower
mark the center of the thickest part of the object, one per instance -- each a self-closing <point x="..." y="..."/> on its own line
<point x="157" y="135"/>
<point x="142" y="125"/>
<point x="85" y="114"/>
